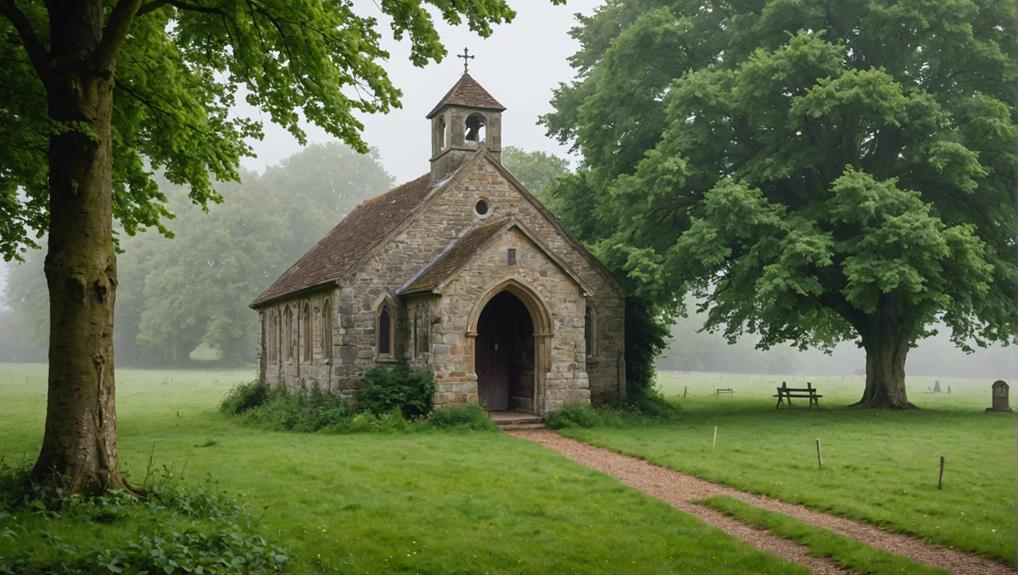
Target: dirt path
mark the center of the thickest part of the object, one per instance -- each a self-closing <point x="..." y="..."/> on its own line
<point x="680" y="490"/>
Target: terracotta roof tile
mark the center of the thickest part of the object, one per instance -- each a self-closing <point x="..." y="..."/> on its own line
<point x="453" y="258"/>
<point x="340" y="250"/>
<point x="467" y="92"/>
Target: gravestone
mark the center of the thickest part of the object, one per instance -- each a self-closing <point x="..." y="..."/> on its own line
<point x="1001" y="399"/>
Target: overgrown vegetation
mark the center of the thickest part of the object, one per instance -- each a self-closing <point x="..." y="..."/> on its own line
<point x="648" y="407"/>
<point x="468" y="417"/>
<point x="845" y="551"/>
<point x="397" y="387"/>
<point x="244" y="397"/>
<point x="389" y="398"/>
<point x="176" y="528"/>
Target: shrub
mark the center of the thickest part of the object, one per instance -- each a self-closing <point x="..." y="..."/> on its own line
<point x="575" y="415"/>
<point x="468" y="417"/>
<point x="370" y="422"/>
<point x="653" y="404"/>
<point x="244" y="397"/>
<point x="386" y="388"/>
<point x="175" y="529"/>
<point x="303" y="410"/>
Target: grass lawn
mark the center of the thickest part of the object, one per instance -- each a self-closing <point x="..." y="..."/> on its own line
<point x="880" y="467"/>
<point x="427" y="502"/>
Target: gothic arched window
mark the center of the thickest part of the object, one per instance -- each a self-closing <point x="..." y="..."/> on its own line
<point x="441" y="133"/>
<point x="590" y="331"/>
<point x="288" y="333"/>
<point x="305" y="320"/>
<point x="384" y="330"/>
<point x="272" y="338"/>
<point x="326" y="328"/>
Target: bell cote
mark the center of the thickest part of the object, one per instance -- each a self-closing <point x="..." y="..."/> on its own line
<point x="465" y="120"/>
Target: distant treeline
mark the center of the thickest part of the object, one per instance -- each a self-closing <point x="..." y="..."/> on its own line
<point x="936" y="356"/>
<point x="191" y="292"/>
<point x="175" y="295"/>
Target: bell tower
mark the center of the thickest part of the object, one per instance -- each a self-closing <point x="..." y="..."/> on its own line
<point x="465" y="120"/>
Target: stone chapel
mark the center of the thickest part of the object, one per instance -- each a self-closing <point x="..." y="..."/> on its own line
<point x="460" y="271"/>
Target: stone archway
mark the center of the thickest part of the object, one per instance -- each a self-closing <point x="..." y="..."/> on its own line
<point x="509" y="332"/>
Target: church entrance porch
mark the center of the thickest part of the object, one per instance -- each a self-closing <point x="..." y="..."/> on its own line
<point x="504" y="355"/>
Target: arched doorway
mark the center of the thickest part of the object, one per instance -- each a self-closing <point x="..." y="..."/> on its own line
<point x="504" y="355"/>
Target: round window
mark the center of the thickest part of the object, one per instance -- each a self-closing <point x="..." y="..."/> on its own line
<point x="481" y="207"/>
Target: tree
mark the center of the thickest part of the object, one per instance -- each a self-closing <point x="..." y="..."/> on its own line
<point x="536" y="170"/>
<point x="815" y="171"/>
<point x="97" y="95"/>
<point x="196" y="288"/>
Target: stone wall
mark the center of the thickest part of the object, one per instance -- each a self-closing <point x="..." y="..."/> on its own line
<point x="556" y="304"/>
<point x="303" y="361"/>
<point x="438" y="222"/>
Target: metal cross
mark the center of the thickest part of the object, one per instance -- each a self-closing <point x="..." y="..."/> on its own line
<point x="466" y="58"/>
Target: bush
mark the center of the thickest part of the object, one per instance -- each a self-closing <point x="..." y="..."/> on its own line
<point x="244" y="397"/>
<point x="386" y="388"/>
<point x="304" y="410"/>
<point x="575" y="415"/>
<point x="175" y="529"/>
<point x="469" y="417"/>
<point x="653" y="404"/>
<point x="369" y="422"/>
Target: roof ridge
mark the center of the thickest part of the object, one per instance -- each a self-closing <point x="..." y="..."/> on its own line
<point x="469" y="93"/>
<point x="398" y="188"/>
<point x="450" y="247"/>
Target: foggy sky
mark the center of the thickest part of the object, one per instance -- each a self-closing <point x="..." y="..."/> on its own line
<point x="520" y="64"/>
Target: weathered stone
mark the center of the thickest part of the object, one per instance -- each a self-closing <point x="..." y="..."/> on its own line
<point x="1001" y="396"/>
<point x="553" y="276"/>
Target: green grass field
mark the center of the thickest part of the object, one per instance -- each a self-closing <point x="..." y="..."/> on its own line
<point x="880" y="467"/>
<point x="428" y="502"/>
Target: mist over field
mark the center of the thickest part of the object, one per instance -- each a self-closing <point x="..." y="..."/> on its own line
<point x="691" y="350"/>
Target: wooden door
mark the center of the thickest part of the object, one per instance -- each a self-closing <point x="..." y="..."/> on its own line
<point x="492" y="364"/>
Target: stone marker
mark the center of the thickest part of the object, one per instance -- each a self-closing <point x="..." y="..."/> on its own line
<point x="936" y="386"/>
<point x="1001" y="400"/>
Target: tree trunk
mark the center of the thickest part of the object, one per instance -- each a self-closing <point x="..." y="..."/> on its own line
<point x="79" y="449"/>
<point x="887" y="346"/>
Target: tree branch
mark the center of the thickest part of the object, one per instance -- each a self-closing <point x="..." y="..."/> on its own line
<point x="157" y="4"/>
<point x="115" y="33"/>
<point x="37" y="53"/>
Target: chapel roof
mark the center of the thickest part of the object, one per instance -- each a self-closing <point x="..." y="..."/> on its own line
<point x="468" y="93"/>
<point x="340" y="250"/>
<point x="455" y="256"/>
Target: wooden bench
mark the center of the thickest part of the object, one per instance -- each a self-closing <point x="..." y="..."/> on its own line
<point x="720" y="390"/>
<point x="785" y="394"/>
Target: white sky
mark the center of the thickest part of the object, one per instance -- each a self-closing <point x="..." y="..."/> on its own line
<point x="519" y="64"/>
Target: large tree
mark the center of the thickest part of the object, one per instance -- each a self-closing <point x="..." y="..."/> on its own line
<point x="815" y="171"/>
<point x="96" y="95"/>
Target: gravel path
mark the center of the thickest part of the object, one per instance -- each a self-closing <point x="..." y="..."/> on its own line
<point x="680" y="490"/>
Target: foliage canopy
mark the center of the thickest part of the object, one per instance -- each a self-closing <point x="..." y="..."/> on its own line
<point x="180" y="72"/>
<point x="814" y="172"/>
